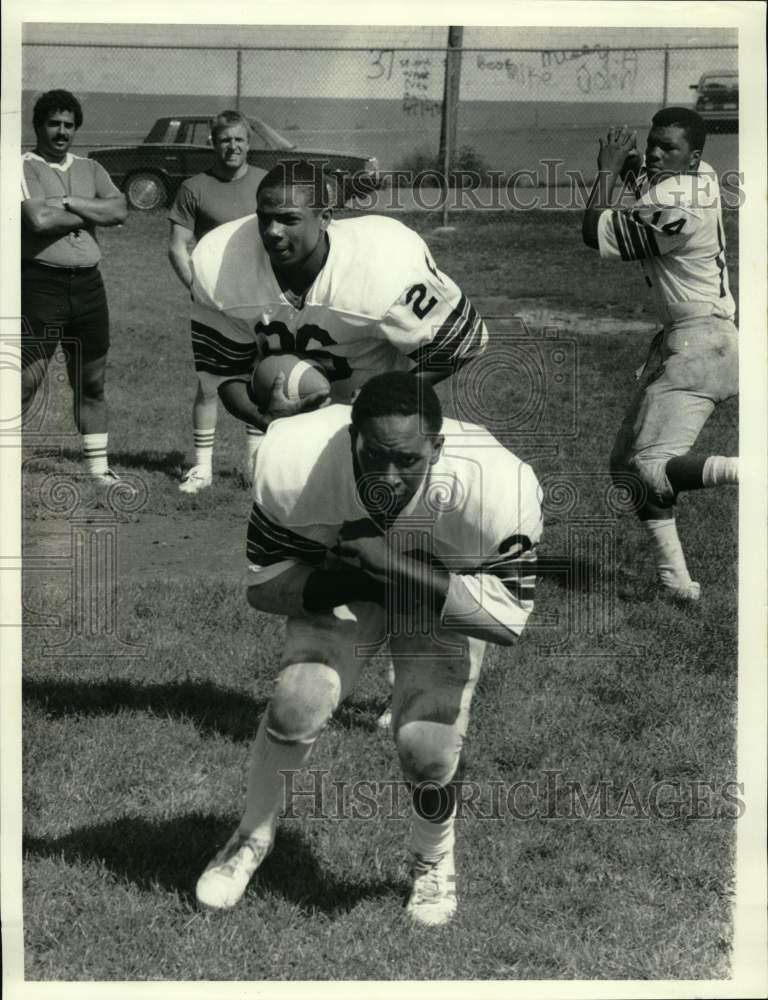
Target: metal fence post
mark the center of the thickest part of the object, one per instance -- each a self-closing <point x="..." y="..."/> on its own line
<point x="665" y="94"/>
<point x="449" y="122"/>
<point x="238" y="78"/>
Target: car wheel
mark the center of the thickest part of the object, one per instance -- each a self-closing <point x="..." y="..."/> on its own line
<point x="146" y="191"/>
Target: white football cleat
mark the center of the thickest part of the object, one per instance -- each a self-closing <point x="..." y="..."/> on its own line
<point x="433" y="897"/>
<point x="199" y="477"/>
<point x="690" y="592"/>
<point x="222" y="884"/>
<point x="108" y="478"/>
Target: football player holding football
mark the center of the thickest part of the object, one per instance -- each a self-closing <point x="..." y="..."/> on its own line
<point x="357" y="296"/>
<point x="388" y="524"/>
<point x="675" y="230"/>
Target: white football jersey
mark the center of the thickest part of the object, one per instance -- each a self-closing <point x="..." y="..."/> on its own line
<point x="478" y="514"/>
<point x="675" y="229"/>
<point x="378" y="304"/>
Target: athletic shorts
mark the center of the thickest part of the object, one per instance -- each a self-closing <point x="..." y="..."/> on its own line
<point x="63" y="304"/>
<point x="222" y="351"/>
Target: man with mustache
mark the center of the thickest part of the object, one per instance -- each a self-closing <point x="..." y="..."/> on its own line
<point x="64" y="198"/>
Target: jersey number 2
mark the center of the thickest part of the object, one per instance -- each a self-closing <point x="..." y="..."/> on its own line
<point x="418" y="293"/>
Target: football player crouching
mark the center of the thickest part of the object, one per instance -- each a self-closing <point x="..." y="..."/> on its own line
<point x="331" y="547"/>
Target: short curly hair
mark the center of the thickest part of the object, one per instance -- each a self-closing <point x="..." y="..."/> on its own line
<point x="398" y="394"/>
<point x="302" y="174"/>
<point x="688" y="120"/>
<point x="56" y="100"/>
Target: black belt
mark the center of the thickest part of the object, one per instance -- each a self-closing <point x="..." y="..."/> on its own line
<point x="57" y="269"/>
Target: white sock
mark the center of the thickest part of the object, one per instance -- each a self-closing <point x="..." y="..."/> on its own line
<point x="266" y="784"/>
<point x="391" y="674"/>
<point x="253" y="439"/>
<point x="429" y="840"/>
<point x="668" y="553"/>
<point x="203" y="440"/>
<point x="95" y="453"/>
<point x="720" y="471"/>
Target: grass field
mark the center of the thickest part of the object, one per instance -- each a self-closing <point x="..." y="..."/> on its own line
<point x="134" y="767"/>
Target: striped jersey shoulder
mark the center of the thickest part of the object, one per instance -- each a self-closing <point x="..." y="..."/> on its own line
<point x="373" y="261"/>
<point x="515" y="567"/>
<point x="269" y="542"/>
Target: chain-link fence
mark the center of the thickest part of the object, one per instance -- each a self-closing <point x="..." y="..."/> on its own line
<point x="515" y="109"/>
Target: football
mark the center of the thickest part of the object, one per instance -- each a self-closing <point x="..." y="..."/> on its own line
<point x="303" y="376"/>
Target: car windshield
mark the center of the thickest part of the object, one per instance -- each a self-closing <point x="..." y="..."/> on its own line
<point x="270" y="138"/>
<point x="719" y="83"/>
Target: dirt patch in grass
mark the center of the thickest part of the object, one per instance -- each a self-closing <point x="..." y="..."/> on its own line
<point x="156" y="546"/>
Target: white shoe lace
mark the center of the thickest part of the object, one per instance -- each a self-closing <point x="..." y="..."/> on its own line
<point x="196" y="472"/>
<point x="431" y="881"/>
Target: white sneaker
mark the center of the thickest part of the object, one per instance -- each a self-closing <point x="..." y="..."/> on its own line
<point x="433" y="898"/>
<point x="108" y="478"/>
<point x="384" y="721"/>
<point x="690" y="592"/>
<point x="226" y="878"/>
<point x="195" y="479"/>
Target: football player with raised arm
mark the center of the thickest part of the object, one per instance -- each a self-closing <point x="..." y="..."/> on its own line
<point x="388" y="524"/>
<point x="675" y="230"/>
<point x="358" y="296"/>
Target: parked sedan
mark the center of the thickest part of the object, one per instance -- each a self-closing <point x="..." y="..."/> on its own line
<point x="717" y="96"/>
<point x="177" y="148"/>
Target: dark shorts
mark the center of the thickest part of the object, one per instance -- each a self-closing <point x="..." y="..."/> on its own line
<point x="63" y="304"/>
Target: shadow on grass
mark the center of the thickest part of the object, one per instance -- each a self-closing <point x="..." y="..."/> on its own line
<point x="213" y="709"/>
<point x="151" y="461"/>
<point x="572" y="573"/>
<point x="168" y="462"/>
<point x="172" y="854"/>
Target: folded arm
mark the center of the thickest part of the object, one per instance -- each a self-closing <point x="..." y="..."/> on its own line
<point x="489" y="602"/>
<point x="294" y="575"/>
<point x="41" y="215"/>
<point x="107" y="211"/>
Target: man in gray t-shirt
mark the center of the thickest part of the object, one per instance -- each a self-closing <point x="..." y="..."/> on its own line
<point x="225" y="192"/>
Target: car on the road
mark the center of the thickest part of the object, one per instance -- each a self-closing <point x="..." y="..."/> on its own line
<point x="178" y="147"/>
<point x="717" y="96"/>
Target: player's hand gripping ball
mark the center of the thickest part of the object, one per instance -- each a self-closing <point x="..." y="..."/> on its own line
<point x="302" y="379"/>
